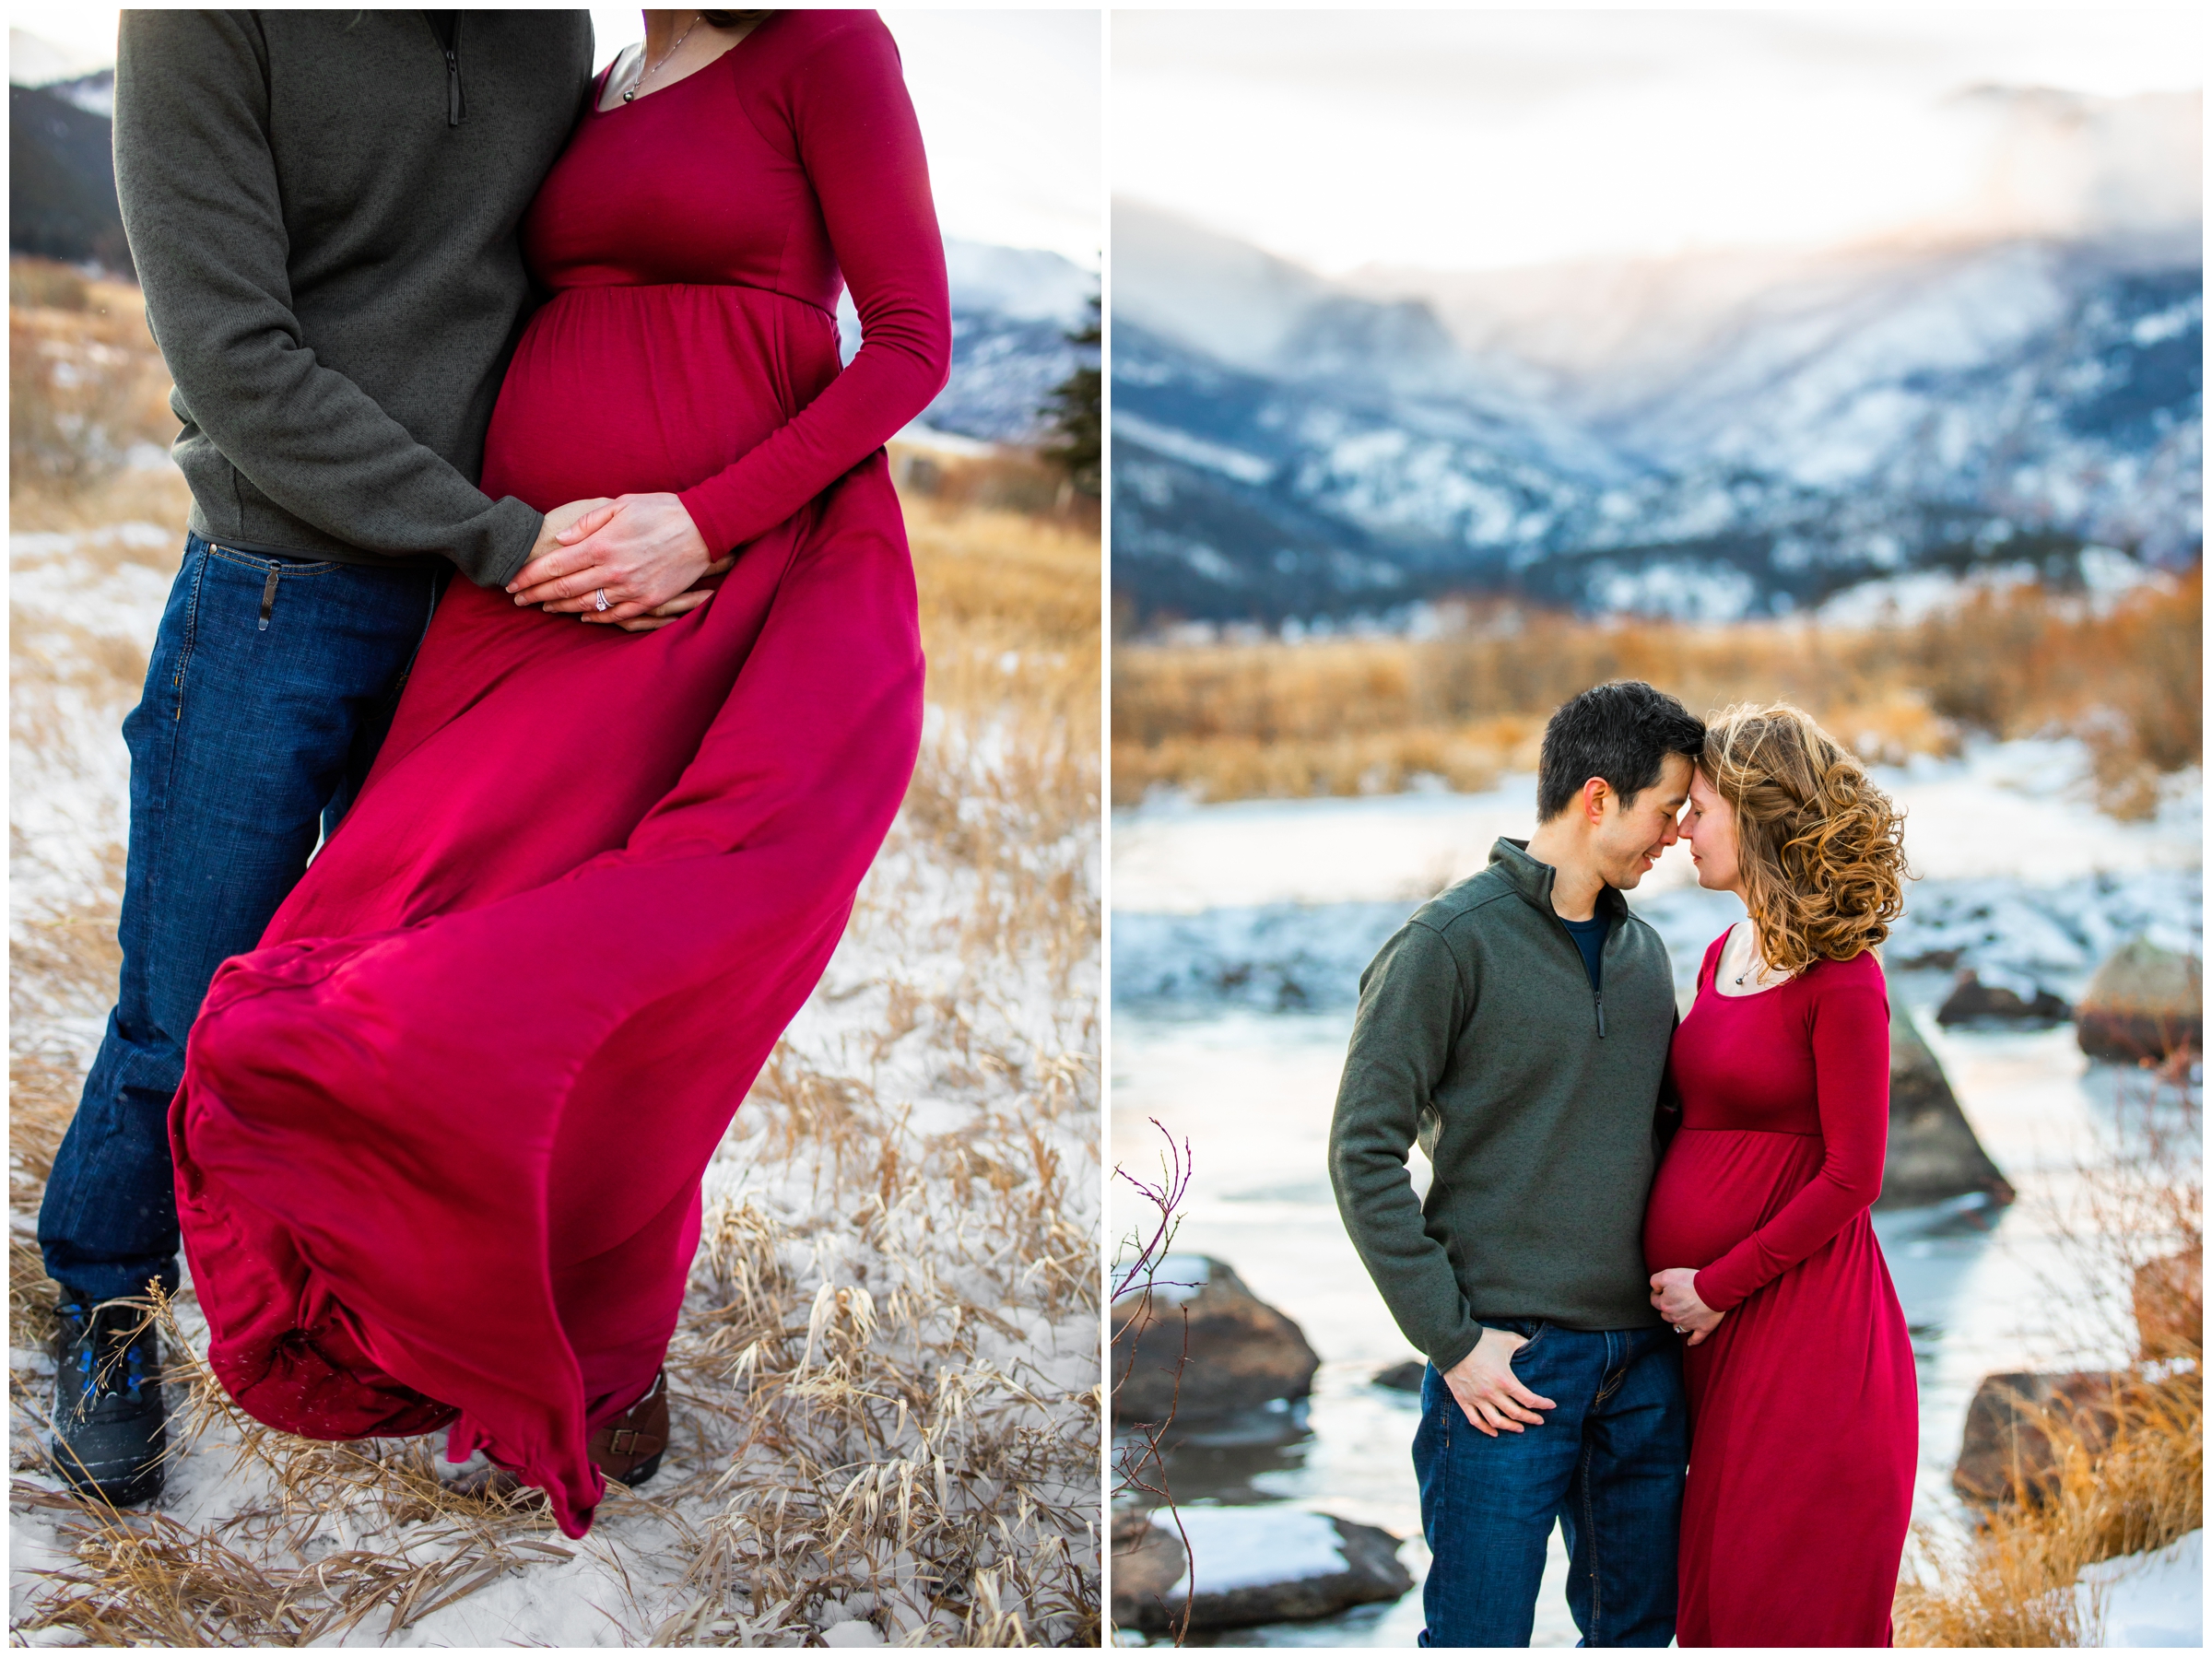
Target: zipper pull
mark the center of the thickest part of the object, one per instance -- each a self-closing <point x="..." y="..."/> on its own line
<point x="1598" y="996"/>
<point x="454" y="109"/>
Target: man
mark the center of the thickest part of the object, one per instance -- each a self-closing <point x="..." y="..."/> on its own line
<point x="1517" y="1028"/>
<point x="322" y="207"/>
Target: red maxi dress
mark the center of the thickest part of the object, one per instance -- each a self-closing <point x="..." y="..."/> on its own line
<point x="439" y="1138"/>
<point x="1804" y="1410"/>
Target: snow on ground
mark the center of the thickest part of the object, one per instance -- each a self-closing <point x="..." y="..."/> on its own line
<point x="1252" y="1547"/>
<point x="1179" y="1277"/>
<point x="886" y="1382"/>
<point x="92" y="602"/>
<point x="2154" y="1599"/>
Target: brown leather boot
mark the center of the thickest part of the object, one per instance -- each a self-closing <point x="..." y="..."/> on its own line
<point x="628" y="1449"/>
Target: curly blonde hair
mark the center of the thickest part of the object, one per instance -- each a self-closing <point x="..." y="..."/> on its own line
<point x="1820" y="848"/>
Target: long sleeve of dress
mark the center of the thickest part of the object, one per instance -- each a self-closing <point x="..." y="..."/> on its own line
<point x="1851" y="1063"/>
<point x="862" y="148"/>
<point x="1414" y="1001"/>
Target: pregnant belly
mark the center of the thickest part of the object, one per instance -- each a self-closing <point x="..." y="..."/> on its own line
<point x="635" y="390"/>
<point x="1717" y="1186"/>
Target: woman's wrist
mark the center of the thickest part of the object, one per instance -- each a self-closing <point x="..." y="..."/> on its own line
<point x="1697" y="1290"/>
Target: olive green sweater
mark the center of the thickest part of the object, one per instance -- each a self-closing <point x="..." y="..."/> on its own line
<point x="1534" y="1097"/>
<point x="323" y="206"/>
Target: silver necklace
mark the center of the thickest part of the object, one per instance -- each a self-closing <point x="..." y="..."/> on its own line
<point x="1748" y="972"/>
<point x="630" y="95"/>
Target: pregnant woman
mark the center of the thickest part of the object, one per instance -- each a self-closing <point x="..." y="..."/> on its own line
<point x="440" y="1140"/>
<point x="1804" y="1415"/>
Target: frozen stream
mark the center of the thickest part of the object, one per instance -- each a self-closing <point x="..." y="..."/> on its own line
<point x="1197" y="1045"/>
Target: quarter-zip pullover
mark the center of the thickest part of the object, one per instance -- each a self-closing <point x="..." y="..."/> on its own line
<point x="1533" y="1092"/>
<point x="323" y="206"/>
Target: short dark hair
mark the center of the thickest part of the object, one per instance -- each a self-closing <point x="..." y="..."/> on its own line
<point x="1622" y="733"/>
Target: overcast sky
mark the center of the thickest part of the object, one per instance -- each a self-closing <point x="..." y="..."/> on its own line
<point x="1009" y="103"/>
<point x="1475" y="139"/>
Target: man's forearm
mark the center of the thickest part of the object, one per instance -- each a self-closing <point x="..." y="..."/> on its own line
<point x="1412" y="1004"/>
<point x="1383" y="1218"/>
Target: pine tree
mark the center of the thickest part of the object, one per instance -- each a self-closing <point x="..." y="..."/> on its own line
<point x="1073" y="410"/>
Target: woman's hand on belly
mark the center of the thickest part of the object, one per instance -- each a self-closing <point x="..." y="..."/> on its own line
<point x="682" y="603"/>
<point x="639" y="550"/>
<point x="1674" y="1294"/>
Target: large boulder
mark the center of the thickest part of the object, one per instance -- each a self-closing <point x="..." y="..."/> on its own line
<point x="2144" y="1003"/>
<point x="2170" y="1307"/>
<point x="1200" y="1346"/>
<point x="1254" y="1565"/>
<point x="1934" y="1155"/>
<point x="2020" y="1428"/>
<point x="1973" y="1003"/>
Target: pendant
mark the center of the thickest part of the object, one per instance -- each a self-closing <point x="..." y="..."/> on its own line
<point x="630" y="95"/>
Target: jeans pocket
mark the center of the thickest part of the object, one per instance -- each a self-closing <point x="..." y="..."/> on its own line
<point x="1530" y="1329"/>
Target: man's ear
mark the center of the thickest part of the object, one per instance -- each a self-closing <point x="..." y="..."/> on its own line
<point x="1595" y="793"/>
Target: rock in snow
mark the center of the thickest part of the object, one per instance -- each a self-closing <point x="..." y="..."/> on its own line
<point x="1972" y="1001"/>
<point x="2144" y="1003"/>
<point x="1203" y="1346"/>
<point x="1254" y="1565"/>
<point x="2006" y="1446"/>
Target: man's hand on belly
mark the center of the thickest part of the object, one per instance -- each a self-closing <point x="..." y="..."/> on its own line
<point x="1489" y="1394"/>
<point x="642" y="551"/>
<point x="560" y="518"/>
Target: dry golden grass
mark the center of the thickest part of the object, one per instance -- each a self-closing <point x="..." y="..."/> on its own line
<point x="128" y="496"/>
<point x="267" y="1573"/>
<point x="2013" y="1583"/>
<point x="2128" y="1481"/>
<point x="1005" y="481"/>
<point x="85" y="382"/>
<point x="1350" y="716"/>
<point x="887" y="1399"/>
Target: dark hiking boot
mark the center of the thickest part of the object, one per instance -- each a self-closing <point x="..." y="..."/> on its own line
<point x="108" y="1428"/>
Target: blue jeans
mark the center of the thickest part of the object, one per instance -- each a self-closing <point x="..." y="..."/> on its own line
<point x="1607" y="1463"/>
<point x="272" y="684"/>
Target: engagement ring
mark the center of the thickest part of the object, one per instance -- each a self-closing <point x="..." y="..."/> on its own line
<point x="599" y="599"/>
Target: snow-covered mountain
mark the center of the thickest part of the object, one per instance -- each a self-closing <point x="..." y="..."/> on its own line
<point x="1013" y="310"/>
<point x="94" y="93"/>
<point x="1754" y="441"/>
